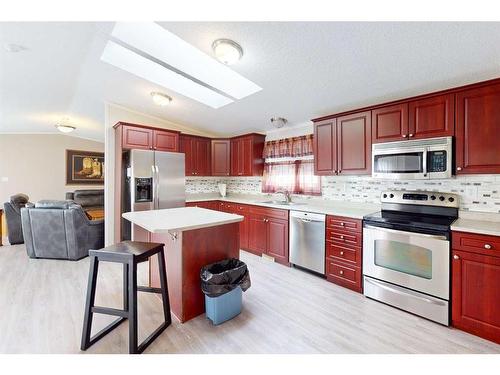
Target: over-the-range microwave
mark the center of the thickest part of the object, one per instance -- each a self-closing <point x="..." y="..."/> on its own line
<point x="416" y="159"/>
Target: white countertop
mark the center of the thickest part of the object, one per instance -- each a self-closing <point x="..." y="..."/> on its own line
<point x="180" y="219"/>
<point x="355" y="210"/>
<point x="491" y="228"/>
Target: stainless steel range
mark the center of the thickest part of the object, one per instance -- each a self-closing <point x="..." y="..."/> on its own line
<point x="406" y="252"/>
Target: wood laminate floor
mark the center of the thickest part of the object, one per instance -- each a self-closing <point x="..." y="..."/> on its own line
<point x="285" y="311"/>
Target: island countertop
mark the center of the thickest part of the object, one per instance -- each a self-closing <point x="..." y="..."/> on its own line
<point x="171" y="220"/>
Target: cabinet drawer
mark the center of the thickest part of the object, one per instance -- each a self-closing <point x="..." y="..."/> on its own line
<point x="344" y="275"/>
<point x="343" y="253"/>
<point x="344" y="223"/>
<point x="240" y="209"/>
<point x="343" y="239"/>
<point x="476" y="243"/>
<point x="269" y="212"/>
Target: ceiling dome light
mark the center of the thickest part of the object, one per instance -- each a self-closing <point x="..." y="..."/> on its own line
<point x="161" y="99"/>
<point x="227" y="51"/>
<point x="65" y="128"/>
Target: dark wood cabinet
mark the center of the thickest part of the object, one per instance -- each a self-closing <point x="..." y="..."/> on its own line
<point x="325" y="146"/>
<point x="390" y="123"/>
<point x="432" y="117"/>
<point x="477" y="130"/>
<point x="257" y="234"/>
<point x="277" y="239"/>
<point x="221" y="159"/>
<point x="343" y="145"/>
<point x="344" y="252"/>
<point x="476" y="294"/>
<point x="246" y="155"/>
<point x="354" y="146"/>
<point x="197" y="155"/>
<point x="165" y="141"/>
<point x="135" y="137"/>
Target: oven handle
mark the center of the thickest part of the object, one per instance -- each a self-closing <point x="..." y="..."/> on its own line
<point x="433" y="236"/>
<point x="405" y="293"/>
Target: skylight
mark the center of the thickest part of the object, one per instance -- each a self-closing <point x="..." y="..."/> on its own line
<point x="145" y="68"/>
<point x="167" y="47"/>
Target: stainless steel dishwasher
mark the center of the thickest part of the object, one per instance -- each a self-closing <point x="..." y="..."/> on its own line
<point x="307" y="240"/>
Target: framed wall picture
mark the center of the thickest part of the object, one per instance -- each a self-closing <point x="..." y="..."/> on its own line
<point x="84" y="167"/>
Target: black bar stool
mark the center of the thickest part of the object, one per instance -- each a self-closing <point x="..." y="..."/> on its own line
<point x="129" y="253"/>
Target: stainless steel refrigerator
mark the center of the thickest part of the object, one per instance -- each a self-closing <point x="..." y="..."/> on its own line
<point x="152" y="180"/>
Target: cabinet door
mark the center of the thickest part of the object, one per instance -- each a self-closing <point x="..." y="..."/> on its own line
<point x="235" y="157"/>
<point x="165" y="141"/>
<point x="390" y="123"/>
<point x="202" y="157"/>
<point x="186" y="146"/>
<point x="137" y="138"/>
<point x="257" y="234"/>
<point x="477" y="130"/>
<point x="432" y="117"/>
<point x="354" y="144"/>
<point x="325" y="156"/>
<point x="476" y="295"/>
<point x="220" y="157"/>
<point x="247" y="157"/>
<point x="277" y="240"/>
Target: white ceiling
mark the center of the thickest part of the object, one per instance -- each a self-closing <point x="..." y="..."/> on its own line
<point x="306" y="70"/>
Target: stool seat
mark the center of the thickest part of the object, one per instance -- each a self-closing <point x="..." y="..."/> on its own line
<point x="128" y="253"/>
<point x="141" y="251"/>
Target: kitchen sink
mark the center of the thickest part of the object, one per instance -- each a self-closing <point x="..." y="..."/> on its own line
<point x="283" y="203"/>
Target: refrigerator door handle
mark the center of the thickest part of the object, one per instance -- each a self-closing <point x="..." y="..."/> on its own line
<point x="153" y="174"/>
<point x="157" y="187"/>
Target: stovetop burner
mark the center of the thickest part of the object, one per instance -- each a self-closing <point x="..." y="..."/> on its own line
<point x="412" y="221"/>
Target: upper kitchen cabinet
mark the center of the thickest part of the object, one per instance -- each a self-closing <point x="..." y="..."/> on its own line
<point x="137" y="137"/>
<point x="477" y="130"/>
<point x="325" y="146"/>
<point x="354" y="143"/>
<point x="432" y="117"/>
<point x="390" y="123"/>
<point x="342" y="145"/>
<point x="221" y="160"/>
<point x="246" y="155"/>
<point x="197" y="154"/>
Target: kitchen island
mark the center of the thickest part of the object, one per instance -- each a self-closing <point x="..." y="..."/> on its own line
<point x="193" y="238"/>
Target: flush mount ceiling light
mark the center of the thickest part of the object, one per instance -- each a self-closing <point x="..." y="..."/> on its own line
<point x="161" y="99"/>
<point x="149" y="70"/>
<point x="278" y="122"/>
<point x="65" y="128"/>
<point x="227" y="51"/>
<point x="179" y="56"/>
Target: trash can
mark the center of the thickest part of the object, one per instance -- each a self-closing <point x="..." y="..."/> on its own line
<point x="223" y="283"/>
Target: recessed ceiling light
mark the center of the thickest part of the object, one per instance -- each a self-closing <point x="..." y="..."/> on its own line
<point x="227" y="51"/>
<point x="11" y="47"/>
<point x="65" y="128"/>
<point x="140" y="66"/>
<point x="175" y="52"/>
<point x="161" y="99"/>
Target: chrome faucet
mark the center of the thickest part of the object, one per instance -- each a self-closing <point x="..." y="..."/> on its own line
<point x="286" y="193"/>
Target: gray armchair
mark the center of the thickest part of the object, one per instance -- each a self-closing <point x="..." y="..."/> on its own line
<point x="60" y="230"/>
<point x="90" y="198"/>
<point x="13" y="216"/>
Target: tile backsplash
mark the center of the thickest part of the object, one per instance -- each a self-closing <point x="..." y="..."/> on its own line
<point x="477" y="192"/>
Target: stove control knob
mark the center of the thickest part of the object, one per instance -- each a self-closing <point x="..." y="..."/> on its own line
<point x="385" y="195"/>
<point x="433" y="197"/>
<point x="441" y="198"/>
<point x="391" y="195"/>
<point x="451" y="199"/>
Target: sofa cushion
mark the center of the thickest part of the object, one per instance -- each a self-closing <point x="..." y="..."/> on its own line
<point x="19" y="199"/>
<point x="54" y="204"/>
<point x="89" y="198"/>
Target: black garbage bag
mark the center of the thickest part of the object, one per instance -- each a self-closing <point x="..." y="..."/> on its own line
<point x="221" y="277"/>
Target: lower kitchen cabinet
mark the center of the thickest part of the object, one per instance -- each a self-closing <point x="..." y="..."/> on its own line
<point x="344" y="252"/>
<point x="475" y="285"/>
<point x="257" y="234"/>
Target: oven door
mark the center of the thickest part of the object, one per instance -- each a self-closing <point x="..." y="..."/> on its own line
<point x="413" y="260"/>
<point x="395" y="163"/>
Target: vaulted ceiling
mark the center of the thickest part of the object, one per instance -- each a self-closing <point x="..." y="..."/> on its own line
<point x="306" y="70"/>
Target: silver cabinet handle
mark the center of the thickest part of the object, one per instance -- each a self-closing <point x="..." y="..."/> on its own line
<point x="341" y="237"/>
<point x="456" y="257"/>
<point x="410" y="135"/>
<point x="436" y="237"/>
<point x="341" y="253"/>
<point x="487" y="246"/>
<point x="342" y="224"/>
<point x="459" y="168"/>
<point x="341" y="272"/>
<point x="405" y="135"/>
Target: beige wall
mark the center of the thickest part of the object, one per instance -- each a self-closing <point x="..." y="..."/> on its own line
<point x="113" y="114"/>
<point x="35" y="164"/>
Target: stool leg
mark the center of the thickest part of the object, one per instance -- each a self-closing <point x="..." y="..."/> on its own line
<point x="164" y="288"/>
<point x="132" y="312"/>
<point x="125" y="286"/>
<point x="89" y="303"/>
